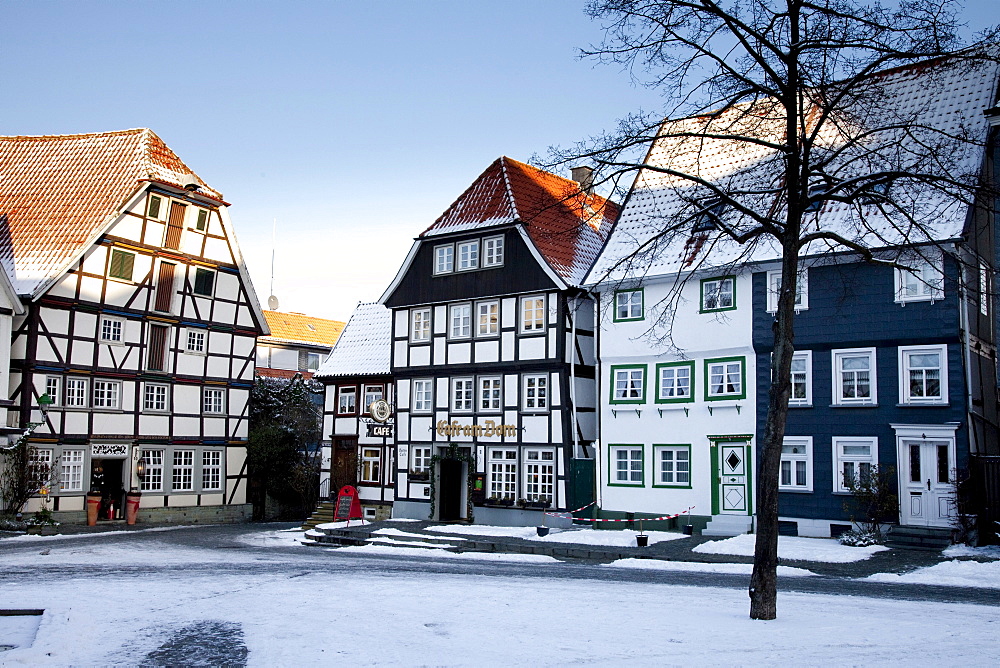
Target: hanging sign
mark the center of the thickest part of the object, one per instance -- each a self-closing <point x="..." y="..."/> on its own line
<point x="106" y="450"/>
<point x="380" y="410"/>
<point x="348" y="504"/>
<point x="379" y="430"/>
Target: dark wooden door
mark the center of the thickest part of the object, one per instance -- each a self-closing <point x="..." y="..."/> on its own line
<point x="164" y="287"/>
<point x="449" y="490"/>
<point x="175" y="224"/>
<point x="344" y="467"/>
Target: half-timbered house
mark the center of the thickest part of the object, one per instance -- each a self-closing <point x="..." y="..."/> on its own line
<point x="140" y="324"/>
<point x="492" y="351"/>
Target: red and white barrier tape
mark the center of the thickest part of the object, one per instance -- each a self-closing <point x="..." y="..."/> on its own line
<point x="570" y="512"/>
<point x="636" y="519"/>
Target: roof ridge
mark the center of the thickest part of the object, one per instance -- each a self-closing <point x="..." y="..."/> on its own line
<point x="510" y="189"/>
<point x="80" y="135"/>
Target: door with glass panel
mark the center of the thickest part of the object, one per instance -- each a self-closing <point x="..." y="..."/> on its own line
<point x="927" y="493"/>
<point x="732" y="479"/>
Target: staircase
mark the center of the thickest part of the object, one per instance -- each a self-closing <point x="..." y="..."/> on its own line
<point x="918" y="538"/>
<point x="728" y="525"/>
<point x="363" y="535"/>
<point x="322" y="515"/>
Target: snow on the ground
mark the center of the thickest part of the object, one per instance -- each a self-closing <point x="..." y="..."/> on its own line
<point x="305" y="613"/>
<point x="792" y="547"/>
<point x="953" y="573"/>
<point x="695" y="567"/>
<point x="606" y="538"/>
<point x="390" y="550"/>
<point x="279" y="538"/>
<point x="401" y="519"/>
<point x="407" y="534"/>
<point x="346" y="524"/>
<point x="32" y="538"/>
<point x="984" y="552"/>
<point x="409" y="543"/>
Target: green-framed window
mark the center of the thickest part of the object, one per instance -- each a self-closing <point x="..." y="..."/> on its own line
<point x="672" y="465"/>
<point x="121" y="264"/>
<point x="628" y="384"/>
<point x="725" y="378"/>
<point x="626" y="465"/>
<point x="629" y="305"/>
<point x="718" y="294"/>
<point x="675" y="382"/>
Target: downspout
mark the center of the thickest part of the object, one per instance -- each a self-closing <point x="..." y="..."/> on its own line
<point x="572" y="374"/>
<point x="598" y="499"/>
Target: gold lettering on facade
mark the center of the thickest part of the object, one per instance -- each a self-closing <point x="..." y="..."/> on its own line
<point x="488" y="429"/>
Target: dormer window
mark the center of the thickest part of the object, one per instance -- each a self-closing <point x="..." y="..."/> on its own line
<point x="493" y="251"/>
<point x="816" y="191"/>
<point x="202" y="223"/>
<point x="468" y="255"/>
<point x="708" y="218"/>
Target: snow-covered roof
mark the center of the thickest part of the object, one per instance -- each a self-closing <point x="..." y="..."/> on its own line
<point x="940" y="103"/>
<point x="364" y="346"/>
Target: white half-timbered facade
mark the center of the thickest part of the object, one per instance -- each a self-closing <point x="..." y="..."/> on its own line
<point x="140" y="324"/>
<point x="492" y="351"/>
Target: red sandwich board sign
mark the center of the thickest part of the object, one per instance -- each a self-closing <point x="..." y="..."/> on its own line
<point x="348" y="504"/>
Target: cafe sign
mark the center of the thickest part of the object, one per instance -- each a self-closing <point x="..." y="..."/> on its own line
<point x="376" y="430"/>
<point x="487" y="429"/>
<point x="107" y="451"/>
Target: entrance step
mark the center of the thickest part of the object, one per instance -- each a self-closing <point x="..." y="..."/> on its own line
<point x="728" y="525"/>
<point x="363" y="536"/>
<point x="918" y="538"/>
<point x="322" y="515"/>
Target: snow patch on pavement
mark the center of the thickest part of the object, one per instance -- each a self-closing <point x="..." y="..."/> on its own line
<point x="604" y="538"/>
<point x="985" y="552"/>
<point x="826" y="550"/>
<point x="695" y="567"/>
<point x="953" y="573"/>
<point x="386" y="550"/>
<point x="408" y="534"/>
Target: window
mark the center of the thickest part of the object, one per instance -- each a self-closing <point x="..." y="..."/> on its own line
<point x="532" y="314"/>
<point x="924" y="283"/>
<point x="628" y="305"/>
<point x="487" y="318"/>
<point x="468" y="255"/>
<point x="725" y="378"/>
<point x="444" y="259"/>
<point x="420" y="324"/>
<point x="154" y="397"/>
<point x="854" y="376"/>
<point x="795" y="473"/>
<point x="183" y="471"/>
<point x="801" y="379"/>
<point x="503" y="473"/>
<point x="71" y="471"/>
<point x="923" y="374"/>
<point x="461" y="394"/>
<point x="76" y="392"/>
<point x="111" y="330"/>
<point x="313" y="361"/>
<point x="202" y="223"/>
<point x="121" y="264"/>
<point x="175" y="225"/>
<point x="423" y="396"/>
<point x="421" y="465"/>
<point x="372" y="393"/>
<point x="370" y="458"/>
<point x="211" y="470"/>
<point x="347" y="400"/>
<point x="53" y="385"/>
<point x="816" y="191"/>
<point x="534" y="396"/>
<point x="195" y="341"/>
<point x="153" y="480"/>
<point x="539" y="475"/>
<point x="213" y="400"/>
<point x="40" y="465"/>
<point x="107" y="394"/>
<point x="675" y="382"/>
<point x="854" y="459"/>
<point x="801" y="290"/>
<point x="489" y="394"/>
<point x="984" y="288"/>
<point x="493" y="252"/>
<point x="204" y="282"/>
<point x="460" y="316"/>
<point x="154" y="207"/>
<point x="718" y="294"/>
<point x="708" y="218"/>
<point x="156" y="359"/>
<point x="626" y="465"/>
<point x="164" y="297"/>
<point x="673" y="466"/>
<point x="628" y="384"/>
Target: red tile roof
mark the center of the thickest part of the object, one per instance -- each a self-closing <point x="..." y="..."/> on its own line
<point x="567" y="227"/>
<point x="57" y="194"/>
<point x="284" y="374"/>
<point x="299" y="328"/>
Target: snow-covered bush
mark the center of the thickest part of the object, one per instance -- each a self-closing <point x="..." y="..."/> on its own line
<point x="860" y="538"/>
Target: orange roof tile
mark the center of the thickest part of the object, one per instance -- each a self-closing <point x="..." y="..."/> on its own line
<point x="299" y="328"/>
<point x="284" y="374"/>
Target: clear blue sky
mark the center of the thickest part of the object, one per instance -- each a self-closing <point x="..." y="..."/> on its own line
<point x="354" y="124"/>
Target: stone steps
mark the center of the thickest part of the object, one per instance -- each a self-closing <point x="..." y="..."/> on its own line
<point x="728" y="525"/>
<point x="322" y="515"/>
<point x="918" y="538"/>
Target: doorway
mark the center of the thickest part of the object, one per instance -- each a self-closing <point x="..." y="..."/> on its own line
<point x="731" y="493"/>
<point x="449" y="489"/>
<point x="927" y="495"/>
<point x="107" y="477"/>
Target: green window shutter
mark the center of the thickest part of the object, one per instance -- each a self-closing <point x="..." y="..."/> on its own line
<point x="154" y="207"/>
<point x="121" y="264"/>
<point x="202" y="220"/>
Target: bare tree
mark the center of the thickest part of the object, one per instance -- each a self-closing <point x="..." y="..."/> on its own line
<point x="804" y="100"/>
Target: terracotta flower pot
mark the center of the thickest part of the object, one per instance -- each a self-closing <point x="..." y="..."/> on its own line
<point x="93" y="508"/>
<point x="132" y="506"/>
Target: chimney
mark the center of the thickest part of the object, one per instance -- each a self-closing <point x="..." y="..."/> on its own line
<point x="585" y="177"/>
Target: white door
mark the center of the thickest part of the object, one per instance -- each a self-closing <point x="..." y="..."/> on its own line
<point x="733" y="481"/>
<point x="925" y="482"/>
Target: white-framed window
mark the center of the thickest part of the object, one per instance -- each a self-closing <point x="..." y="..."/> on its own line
<point x="626" y="465"/>
<point x="854" y="377"/>
<point x="112" y="330"/>
<point x="420" y="324"/>
<point x="347" y="400"/>
<point x="313" y="360"/>
<point x="924" y="281"/>
<point x="468" y="255"/>
<point x="487" y="318"/>
<point x="718" y="294"/>
<point x="532" y="314"/>
<point x="503" y="473"/>
<point x="155" y="208"/>
<point x="725" y="378"/>
<point x="490" y="395"/>
<point x="628" y="305"/>
<point x="195" y="341"/>
<point x="153" y="480"/>
<point x="76" y="392"/>
<point x="853" y="458"/>
<point x="420" y="460"/>
<point x="923" y="374"/>
<point x="423" y="396"/>
<point x="182" y="471"/>
<point x="214" y="400"/>
<point x="673" y="465"/>
<point x="460" y="321"/>
<point x="40" y="463"/>
<point x="461" y="394"/>
<point x="493" y="252"/>
<point x="801" y="290"/>
<point x="675" y="382"/>
<point x="53" y="388"/>
<point x="628" y="384"/>
<point x="71" y="471"/>
<point x="795" y="473"/>
<point x="535" y="392"/>
<point x="984" y="288"/>
<point x="444" y="259"/>
<point x="539" y="475"/>
<point x="211" y="470"/>
<point x="372" y="393"/>
<point x="371" y="459"/>
<point x="107" y="394"/>
<point x="801" y="379"/>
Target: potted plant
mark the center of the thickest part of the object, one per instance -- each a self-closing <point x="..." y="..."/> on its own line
<point x="42" y="523"/>
<point x="507" y="501"/>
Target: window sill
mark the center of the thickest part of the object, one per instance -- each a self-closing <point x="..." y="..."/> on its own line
<point x="791" y="405"/>
<point x="725" y="402"/>
<point x="928" y="404"/>
<point x="120" y="344"/>
<point x="794" y="490"/>
<point x="107" y="410"/>
<point x="672" y="487"/>
<point x="155" y="411"/>
<point x="195" y="352"/>
<point x="853" y="405"/>
<point x="673" y="405"/>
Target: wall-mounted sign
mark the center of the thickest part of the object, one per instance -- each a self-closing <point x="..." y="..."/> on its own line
<point x="380" y="410"/>
<point x="106" y="450"/>
<point x="487" y="429"/>
<point x="376" y="430"/>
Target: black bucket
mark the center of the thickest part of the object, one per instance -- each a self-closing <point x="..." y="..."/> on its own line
<point x="642" y="540"/>
<point x="542" y="531"/>
<point x="688" y="529"/>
